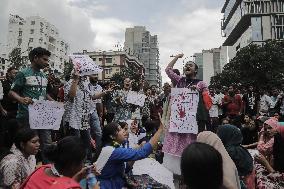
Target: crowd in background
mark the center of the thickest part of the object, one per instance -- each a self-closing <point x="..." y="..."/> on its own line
<point x="243" y="117"/>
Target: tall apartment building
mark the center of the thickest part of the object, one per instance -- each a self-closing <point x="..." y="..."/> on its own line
<point x="210" y="63"/>
<point x="113" y="62"/>
<point x="35" y="31"/>
<point x="141" y="44"/>
<point x="251" y="21"/>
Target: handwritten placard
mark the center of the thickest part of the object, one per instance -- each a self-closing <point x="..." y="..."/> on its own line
<point x="184" y="104"/>
<point x="135" y="98"/>
<point x="85" y="65"/>
<point x="44" y="114"/>
<point x="155" y="170"/>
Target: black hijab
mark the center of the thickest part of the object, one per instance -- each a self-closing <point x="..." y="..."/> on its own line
<point x="232" y="138"/>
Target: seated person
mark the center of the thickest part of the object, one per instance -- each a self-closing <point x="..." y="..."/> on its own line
<point x="20" y="162"/>
<point x="232" y="138"/>
<point x="67" y="170"/>
<point x="111" y="162"/>
<point x="249" y="132"/>
<point x="196" y="160"/>
<point x="266" y="138"/>
<point x="271" y="175"/>
<point x="230" y="172"/>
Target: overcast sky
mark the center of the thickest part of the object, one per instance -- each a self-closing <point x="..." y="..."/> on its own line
<point x="186" y="26"/>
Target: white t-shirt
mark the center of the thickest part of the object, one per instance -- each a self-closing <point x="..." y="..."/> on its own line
<point x="264" y="104"/>
<point x="214" y="110"/>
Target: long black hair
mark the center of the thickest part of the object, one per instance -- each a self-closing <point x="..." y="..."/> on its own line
<point x="69" y="151"/>
<point x="278" y="153"/>
<point x="21" y="136"/>
<point x="109" y="132"/>
<point x="201" y="166"/>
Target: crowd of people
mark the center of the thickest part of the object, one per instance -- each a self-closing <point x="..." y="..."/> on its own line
<point x="239" y="144"/>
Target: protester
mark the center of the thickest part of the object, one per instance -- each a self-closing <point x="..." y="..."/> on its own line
<point x="196" y="160"/>
<point x="122" y="108"/>
<point x="266" y="138"/>
<point x="78" y="108"/>
<point x="230" y="172"/>
<point x="20" y="161"/>
<point x="214" y="110"/>
<point x="232" y="138"/>
<point x="234" y="106"/>
<point x="96" y="111"/>
<point x="8" y="106"/>
<point x="111" y="160"/>
<point x="31" y="84"/>
<point x="249" y="132"/>
<point x="265" y="103"/>
<point x="271" y="174"/>
<point x="174" y="143"/>
<point x="250" y="100"/>
<point x="67" y="170"/>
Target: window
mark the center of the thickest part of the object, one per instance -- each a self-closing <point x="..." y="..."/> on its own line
<point x="117" y="69"/>
<point x="108" y="71"/>
<point x="41" y="30"/>
<point x="94" y="59"/>
<point x="19" y="42"/>
<point x="32" y="31"/>
<point x="40" y="40"/>
<point x="20" y="33"/>
<point x="33" y="22"/>
<point x="108" y="60"/>
<point x="31" y="40"/>
<point x="41" y="24"/>
<point x="30" y="48"/>
<point x="20" y="23"/>
<point x="100" y="59"/>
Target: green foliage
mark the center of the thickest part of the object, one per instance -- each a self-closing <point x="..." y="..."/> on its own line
<point x="260" y="66"/>
<point x="15" y="58"/>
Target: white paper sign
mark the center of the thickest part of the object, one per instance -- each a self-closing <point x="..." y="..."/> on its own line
<point x="184" y="103"/>
<point x="155" y="170"/>
<point x="135" y="98"/>
<point x="85" y="65"/>
<point x="44" y="114"/>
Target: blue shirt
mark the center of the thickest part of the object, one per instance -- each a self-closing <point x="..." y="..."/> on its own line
<point x="112" y="174"/>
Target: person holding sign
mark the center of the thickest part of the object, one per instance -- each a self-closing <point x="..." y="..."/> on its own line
<point x="31" y="84"/>
<point x="78" y="108"/>
<point x="176" y="141"/>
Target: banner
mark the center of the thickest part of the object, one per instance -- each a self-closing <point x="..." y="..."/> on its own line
<point x="85" y="65"/>
<point x="44" y="114"/>
<point x="184" y="103"/>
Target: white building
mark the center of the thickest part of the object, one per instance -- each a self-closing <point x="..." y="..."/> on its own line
<point x="34" y="32"/>
<point x="210" y="63"/>
<point x="141" y="44"/>
<point x="253" y="21"/>
<point x="114" y="62"/>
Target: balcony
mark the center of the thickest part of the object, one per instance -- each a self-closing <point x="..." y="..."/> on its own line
<point x="239" y="18"/>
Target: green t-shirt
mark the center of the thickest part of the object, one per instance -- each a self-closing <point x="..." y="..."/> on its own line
<point x="29" y="83"/>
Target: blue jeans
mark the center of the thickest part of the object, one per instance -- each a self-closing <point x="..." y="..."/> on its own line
<point x="96" y="130"/>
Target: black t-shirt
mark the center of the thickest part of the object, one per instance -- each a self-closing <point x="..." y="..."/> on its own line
<point x="7" y="103"/>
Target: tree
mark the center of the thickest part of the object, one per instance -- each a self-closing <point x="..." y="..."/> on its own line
<point x="260" y="66"/>
<point x="15" y="58"/>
